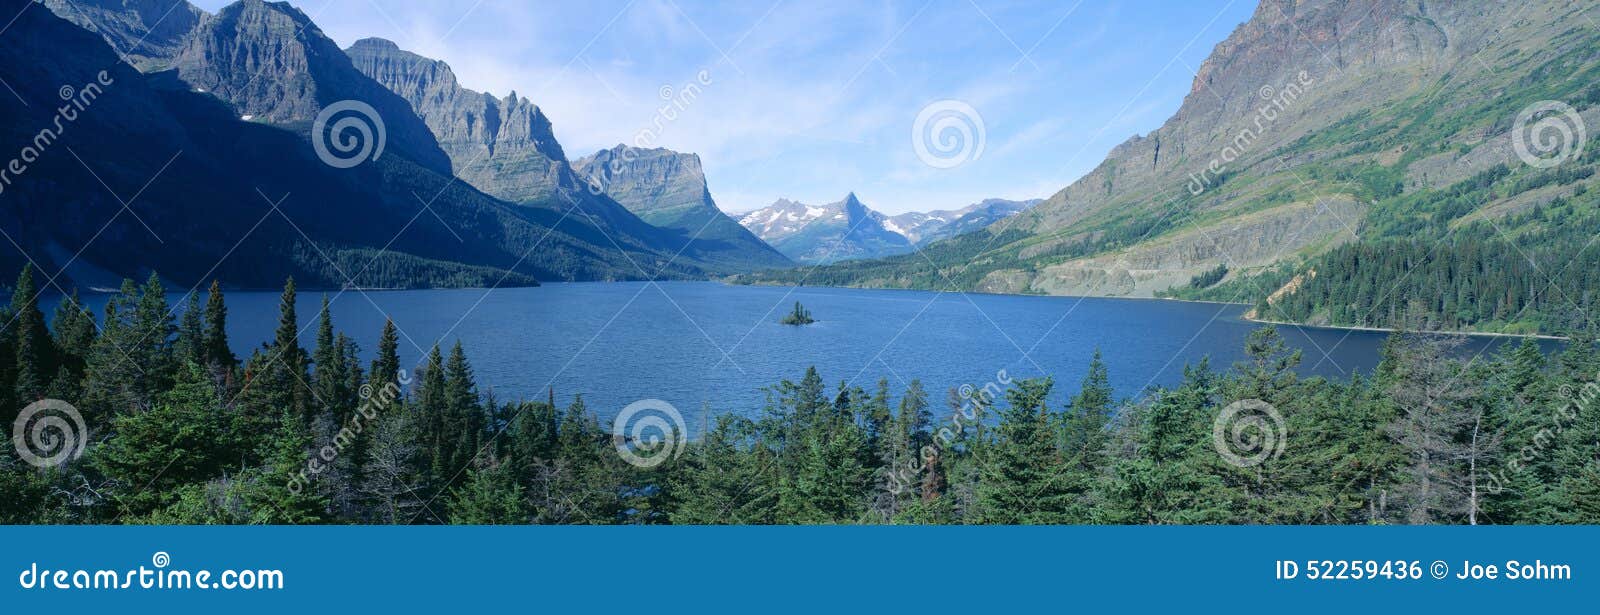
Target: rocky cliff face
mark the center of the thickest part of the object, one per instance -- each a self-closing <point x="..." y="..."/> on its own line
<point x="1296" y="66"/>
<point x="659" y="185"/>
<point x="502" y="146"/>
<point x="146" y="32"/>
<point x="843" y="230"/>
<point x="668" y="189"/>
<point x="272" y="64"/>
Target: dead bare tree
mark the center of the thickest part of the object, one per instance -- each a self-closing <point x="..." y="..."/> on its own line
<point x="1435" y="412"/>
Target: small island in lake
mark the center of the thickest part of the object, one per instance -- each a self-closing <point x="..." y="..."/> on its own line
<point x="800" y="316"/>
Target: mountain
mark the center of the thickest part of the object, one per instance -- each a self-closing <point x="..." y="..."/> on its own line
<point x="825" y="233"/>
<point x="668" y="189"/>
<point x="922" y="228"/>
<point x="145" y="176"/>
<point x="148" y="33"/>
<point x="274" y="65"/>
<point x="1340" y="162"/>
<point x="506" y="148"/>
<point x="502" y="146"/>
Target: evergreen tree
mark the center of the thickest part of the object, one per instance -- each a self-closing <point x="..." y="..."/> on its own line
<point x="114" y="381"/>
<point x="287" y="360"/>
<point x="386" y="367"/>
<point x="464" y="417"/>
<point x="219" y="357"/>
<point x="177" y="442"/>
<point x="1020" y="476"/>
<point x="153" y="338"/>
<point x="34" y="365"/>
<point x="74" y="333"/>
<point x="488" y="496"/>
<point x="190" y="347"/>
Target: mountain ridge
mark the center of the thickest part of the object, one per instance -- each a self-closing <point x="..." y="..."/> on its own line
<point x="841" y="230"/>
<point x="506" y="147"/>
<point x="669" y="189"/>
<point x="251" y="196"/>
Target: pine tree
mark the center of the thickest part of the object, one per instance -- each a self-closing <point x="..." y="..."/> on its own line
<point x="152" y="345"/>
<point x="287" y="359"/>
<point x="178" y="441"/>
<point x="386" y="367"/>
<point x="1162" y="446"/>
<point x="831" y="483"/>
<point x="74" y="333"/>
<point x="191" y="347"/>
<point x="278" y="491"/>
<point x="1021" y="478"/>
<point x="488" y="496"/>
<point x="331" y="376"/>
<point x="533" y="438"/>
<point x="464" y="417"/>
<point x="114" y="382"/>
<point x="219" y="357"/>
<point x="35" y="350"/>
<point x="723" y="479"/>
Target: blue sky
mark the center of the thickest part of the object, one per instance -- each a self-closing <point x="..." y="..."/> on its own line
<point x="811" y="100"/>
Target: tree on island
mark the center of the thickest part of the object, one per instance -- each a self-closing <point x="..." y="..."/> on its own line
<point x="800" y="316"/>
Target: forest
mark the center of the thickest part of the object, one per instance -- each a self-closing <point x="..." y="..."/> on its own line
<point x="179" y="430"/>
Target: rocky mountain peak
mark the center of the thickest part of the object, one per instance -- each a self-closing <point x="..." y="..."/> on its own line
<point x="502" y="146"/>
<point x="668" y="189"/>
<point x="273" y="64"/>
<point x="146" y="32"/>
<point x="844" y="229"/>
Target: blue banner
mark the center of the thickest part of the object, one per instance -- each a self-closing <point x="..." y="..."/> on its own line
<point x="830" y="569"/>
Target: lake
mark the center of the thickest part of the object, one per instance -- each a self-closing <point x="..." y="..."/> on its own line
<point x="707" y="345"/>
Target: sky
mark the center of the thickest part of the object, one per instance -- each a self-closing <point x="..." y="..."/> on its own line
<point x="913" y="105"/>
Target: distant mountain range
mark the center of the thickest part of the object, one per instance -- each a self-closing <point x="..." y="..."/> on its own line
<point x="215" y="139"/>
<point x="922" y="228"/>
<point x="848" y="229"/>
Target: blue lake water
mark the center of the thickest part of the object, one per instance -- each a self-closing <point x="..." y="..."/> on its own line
<point x="707" y="345"/>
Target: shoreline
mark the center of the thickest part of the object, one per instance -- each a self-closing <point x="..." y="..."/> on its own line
<point x="1538" y="336"/>
<point x="1242" y="316"/>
